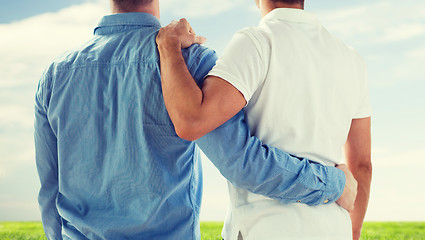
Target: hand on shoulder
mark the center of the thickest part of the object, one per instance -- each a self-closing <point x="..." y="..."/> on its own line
<point x="178" y="34"/>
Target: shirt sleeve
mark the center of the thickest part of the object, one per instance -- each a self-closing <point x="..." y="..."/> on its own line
<point x="364" y="108"/>
<point x="242" y="63"/>
<point x="261" y="169"/>
<point x="199" y="60"/>
<point x="247" y="163"/>
<point x="47" y="166"/>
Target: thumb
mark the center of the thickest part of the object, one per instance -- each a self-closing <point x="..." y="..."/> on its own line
<point x="200" y="39"/>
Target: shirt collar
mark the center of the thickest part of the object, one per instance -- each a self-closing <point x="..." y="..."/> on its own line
<point x="112" y="23"/>
<point x="291" y="14"/>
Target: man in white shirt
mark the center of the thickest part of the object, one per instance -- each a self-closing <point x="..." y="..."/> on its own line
<point x="303" y="90"/>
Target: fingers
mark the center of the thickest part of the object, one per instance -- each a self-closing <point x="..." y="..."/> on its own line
<point x="179" y="33"/>
<point x="342" y="166"/>
<point x="348" y="197"/>
<point x="200" y="39"/>
<point x="186" y="24"/>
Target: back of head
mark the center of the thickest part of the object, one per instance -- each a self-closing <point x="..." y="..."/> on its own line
<point x="130" y="5"/>
<point x="290" y="2"/>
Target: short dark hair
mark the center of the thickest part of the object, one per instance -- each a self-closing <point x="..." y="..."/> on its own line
<point x="128" y="5"/>
<point x="290" y="1"/>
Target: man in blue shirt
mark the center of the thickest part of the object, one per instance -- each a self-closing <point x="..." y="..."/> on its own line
<point x="110" y="163"/>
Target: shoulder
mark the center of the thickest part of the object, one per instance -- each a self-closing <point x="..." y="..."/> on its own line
<point x="62" y="63"/>
<point x="355" y="60"/>
<point x="249" y="44"/>
<point x="258" y="38"/>
<point x="350" y="53"/>
<point x="356" y="56"/>
<point x="199" y="60"/>
<point x="196" y="54"/>
<point x="45" y="85"/>
<point x="66" y="60"/>
<point x="257" y="35"/>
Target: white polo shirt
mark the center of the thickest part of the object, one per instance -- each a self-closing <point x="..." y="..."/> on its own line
<point x="303" y="87"/>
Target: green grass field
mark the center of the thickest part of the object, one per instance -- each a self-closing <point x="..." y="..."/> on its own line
<point x="211" y="231"/>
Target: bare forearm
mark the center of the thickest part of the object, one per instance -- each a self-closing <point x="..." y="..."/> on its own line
<point x="358" y="154"/>
<point x="182" y="96"/>
<point x="363" y="175"/>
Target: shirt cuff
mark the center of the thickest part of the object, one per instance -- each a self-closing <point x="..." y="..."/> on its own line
<point x="334" y="185"/>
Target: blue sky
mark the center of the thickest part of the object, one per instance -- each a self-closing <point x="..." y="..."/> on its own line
<point x="390" y="35"/>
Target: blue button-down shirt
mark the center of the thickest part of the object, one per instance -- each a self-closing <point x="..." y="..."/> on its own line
<point x="110" y="163"/>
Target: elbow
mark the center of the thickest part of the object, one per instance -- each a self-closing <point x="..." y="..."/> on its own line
<point x="363" y="164"/>
<point x="187" y="134"/>
<point x="366" y="164"/>
<point x="188" y="129"/>
<point x="368" y="167"/>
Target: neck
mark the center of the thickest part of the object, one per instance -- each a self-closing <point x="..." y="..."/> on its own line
<point x="268" y="6"/>
<point x="152" y="8"/>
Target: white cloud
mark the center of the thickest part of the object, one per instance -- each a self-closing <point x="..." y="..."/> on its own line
<point x="17" y="115"/>
<point x="386" y="33"/>
<point x="378" y="22"/>
<point x="27" y="46"/>
<point x="198" y="8"/>
<point x="347" y="22"/>
<point x="388" y="157"/>
<point x="418" y="54"/>
<point x="402" y="32"/>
